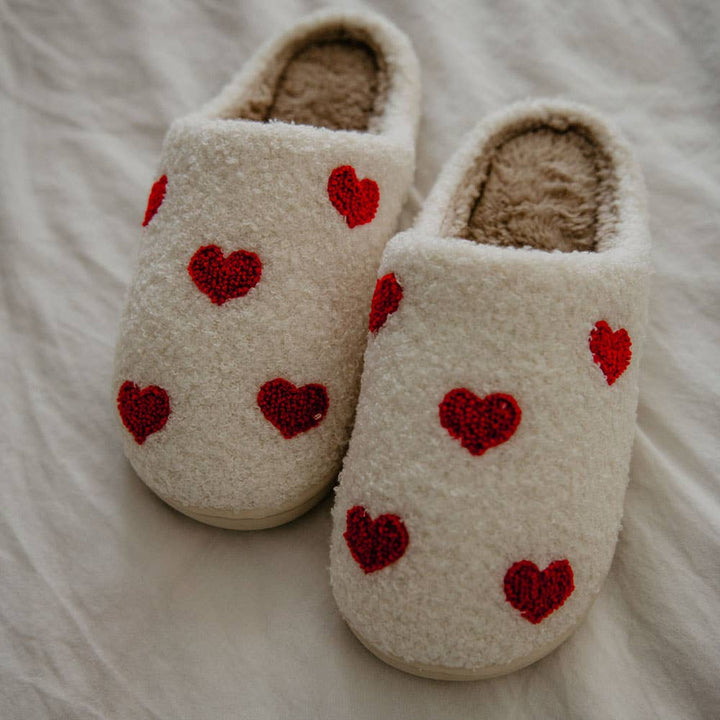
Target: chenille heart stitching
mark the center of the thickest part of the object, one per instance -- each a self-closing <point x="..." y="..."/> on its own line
<point x="479" y="423"/>
<point x="611" y="351"/>
<point x="155" y="199"/>
<point x="143" y="411"/>
<point x="291" y="409"/>
<point x="374" y="544"/>
<point x="538" y="593"/>
<point x="224" y="278"/>
<point x="356" y="200"/>
<point x="385" y="301"/>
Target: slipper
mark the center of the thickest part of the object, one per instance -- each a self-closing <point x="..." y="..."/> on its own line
<point x="481" y="497"/>
<point x="237" y="367"/>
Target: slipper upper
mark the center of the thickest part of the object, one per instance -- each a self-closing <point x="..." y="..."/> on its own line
<point x="256" y="265"/>
<point x="495" y="423"/>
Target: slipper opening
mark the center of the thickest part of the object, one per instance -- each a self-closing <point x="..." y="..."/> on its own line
<point x="544" y="184"/>
<point x="334" y="77"/>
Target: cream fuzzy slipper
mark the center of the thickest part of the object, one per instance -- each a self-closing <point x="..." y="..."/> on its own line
<point x="481" y="497"/>
<point x="237" y="368"/>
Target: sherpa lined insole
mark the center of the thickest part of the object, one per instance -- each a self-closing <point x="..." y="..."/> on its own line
<point x="332" y="84"/>
<point x="543" y="188"/>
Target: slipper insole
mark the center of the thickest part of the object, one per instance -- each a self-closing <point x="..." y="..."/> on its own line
<point x="543" y="189"/>
<point x="332" y="84"/>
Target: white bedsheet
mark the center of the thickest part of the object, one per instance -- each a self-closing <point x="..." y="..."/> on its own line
<point x="114" y="606"/>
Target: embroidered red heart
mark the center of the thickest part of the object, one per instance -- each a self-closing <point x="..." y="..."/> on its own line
<point x="374" y="544"/>
<point x="479" y="423"/>
<point x="356" y="200"/>
<point x="385" y="301"/>
<point x="610" y="350"/>
<point x="143" y="411"/>
<point x="224" y="278"/>
<point x="538" y="593"/>
<point x="155" y="199"/>
<point x="292" y="410"/>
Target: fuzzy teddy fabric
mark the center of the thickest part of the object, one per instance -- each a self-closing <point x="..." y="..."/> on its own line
<point x="482" y="493"/>
<point x="240" y="349"/>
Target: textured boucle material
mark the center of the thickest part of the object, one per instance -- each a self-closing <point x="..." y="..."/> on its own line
<point x="495" y="320"/>
<point x="252" y="198"/>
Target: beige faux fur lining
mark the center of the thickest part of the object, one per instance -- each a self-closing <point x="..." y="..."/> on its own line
<point x="332" y="84"/>
<point x="335" y="78"/>
<point x="544" y="184"/>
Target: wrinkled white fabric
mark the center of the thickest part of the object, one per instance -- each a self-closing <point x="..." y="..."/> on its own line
<point x="114" y="606"/>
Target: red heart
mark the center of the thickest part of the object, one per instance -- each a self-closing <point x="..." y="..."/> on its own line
<point x="356" y="200"/>
<point x="479" y="423"/>
<point x="385" y="301"/>
<point x="155" y="199"/>
<point x="224" y="278"/>
<point x="375" y="544"/>
<point x="292" y="410"/>
<point x="610" y="350"/>
<point x="537" y="593"/>
<point x="143" y="412"/>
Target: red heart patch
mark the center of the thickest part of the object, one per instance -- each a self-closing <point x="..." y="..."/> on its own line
<point x="155" y="199"/>
<point x="356" y="200"/>
<point x="375" y="544"/>
<point x="385" y="301"/>
<point x="224" y="278"/>
<point x="610" y="350"/>
<point x="291" y="409"/>
<point x="537" y="593"/>
<point x="479" y="423"/>
<point x="143" y="411"/>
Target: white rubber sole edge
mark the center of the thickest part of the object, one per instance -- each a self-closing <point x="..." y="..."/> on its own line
<point x="257" y="519"/>
<point x="441" y="672"/>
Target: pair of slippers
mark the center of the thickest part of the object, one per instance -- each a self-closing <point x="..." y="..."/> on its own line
<point x="481" y="494"/>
